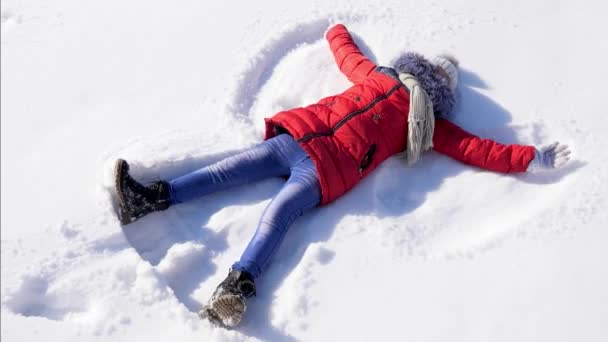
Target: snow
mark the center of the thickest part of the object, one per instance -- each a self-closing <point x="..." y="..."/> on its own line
<point x="437" y="252"/>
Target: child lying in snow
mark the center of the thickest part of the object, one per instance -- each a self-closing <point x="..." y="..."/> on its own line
<point x="327" y="148"/>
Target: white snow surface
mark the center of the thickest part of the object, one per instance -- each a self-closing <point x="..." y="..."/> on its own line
<point x="436" y="252"/>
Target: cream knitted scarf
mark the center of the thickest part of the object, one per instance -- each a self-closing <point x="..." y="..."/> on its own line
<point x="421" y="120"/>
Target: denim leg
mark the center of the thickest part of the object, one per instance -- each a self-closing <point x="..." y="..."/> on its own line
<point x="270" y="158"/>
<point x="300" y="194"/>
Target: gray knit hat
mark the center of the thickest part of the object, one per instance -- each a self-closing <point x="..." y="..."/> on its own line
<point x="449" y="64"/>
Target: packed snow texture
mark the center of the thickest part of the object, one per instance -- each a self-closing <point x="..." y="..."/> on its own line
<point x="436" y="252"/>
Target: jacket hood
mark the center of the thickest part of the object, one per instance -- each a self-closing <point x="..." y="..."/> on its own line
<point x="443" y="98"/>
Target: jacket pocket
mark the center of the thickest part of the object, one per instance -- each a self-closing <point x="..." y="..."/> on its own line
<point x="367" y="159"/>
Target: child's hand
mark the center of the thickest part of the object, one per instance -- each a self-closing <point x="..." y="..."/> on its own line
<point x="550" y="157"/>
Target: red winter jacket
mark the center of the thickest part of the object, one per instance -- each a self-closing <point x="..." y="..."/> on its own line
<point x="348" y="135"/>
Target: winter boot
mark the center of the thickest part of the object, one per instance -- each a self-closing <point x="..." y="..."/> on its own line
<point x="137" y="200"/>
<point x="228" y="302"/>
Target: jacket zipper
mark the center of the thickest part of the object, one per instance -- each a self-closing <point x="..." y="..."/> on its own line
<point x="350" y="116"/>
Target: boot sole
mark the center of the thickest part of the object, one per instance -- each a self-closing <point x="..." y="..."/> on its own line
<point x="123" y="214"/>
<point x="225" y="311"/>
<point x="210" y="315"/>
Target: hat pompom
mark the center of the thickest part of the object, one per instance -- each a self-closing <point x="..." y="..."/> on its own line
<point x="450" y="58"/>
<point x="449" y="65"/>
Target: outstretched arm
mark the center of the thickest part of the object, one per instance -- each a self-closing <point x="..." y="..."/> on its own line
<point x="463" y="146"/>
<point x="349" y="58"/>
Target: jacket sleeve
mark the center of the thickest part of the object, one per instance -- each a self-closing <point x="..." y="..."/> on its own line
<point x="463" y="146"/>
<point x="349" y="58"/>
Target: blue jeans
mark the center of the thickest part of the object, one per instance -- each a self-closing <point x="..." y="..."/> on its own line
<point x="278" y="156"/>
